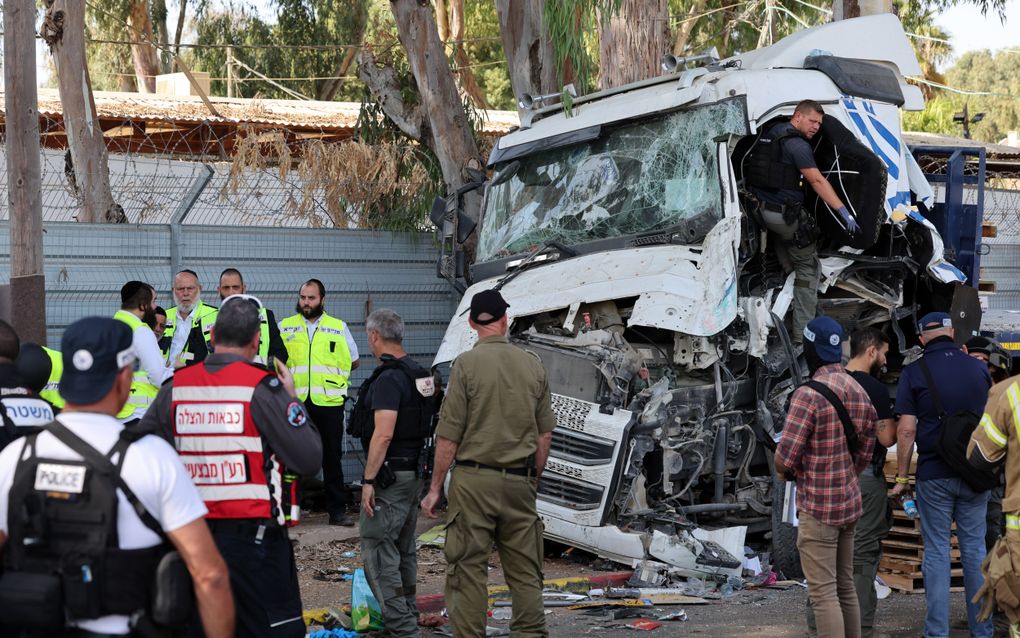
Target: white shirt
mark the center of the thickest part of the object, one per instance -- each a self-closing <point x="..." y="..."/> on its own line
<point x="151" y="468"/>
<point x="180" y="339"/>
<point x="313" y="324"/>
<point x="150" y="358"/>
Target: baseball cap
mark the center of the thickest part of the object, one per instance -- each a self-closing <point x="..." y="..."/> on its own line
<point x="935" y="321"/>
<point x="827" y="337"/>
<point x="94" y="350"/>
<point x="488" y="302"/>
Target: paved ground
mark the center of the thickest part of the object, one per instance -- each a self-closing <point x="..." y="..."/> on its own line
<point x="323" y="551"/>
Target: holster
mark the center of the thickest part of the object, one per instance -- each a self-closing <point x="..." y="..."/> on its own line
<point x="173" y="600"/>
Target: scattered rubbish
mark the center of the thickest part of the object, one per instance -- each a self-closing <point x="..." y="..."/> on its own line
<point x="332" y="575"/>
<point x="432" y="620"/>
<point x="333" y="633"/>
<point x="595" y="593"/>
<point x="489" y="631"/>
<point x="594" y="604"/>
<point x="752" y="565"/>
<point x="348" y="554"/>
<point x="336" y="619"/>
<point x="644" y="625"/>
<point x="365" y="610"/>
<point x="435" y="537"/>
<point x="680" y="616"/>
<point x="501" y="613"/>
<point x="669" y="597"/>
<point x="623" y="592"/>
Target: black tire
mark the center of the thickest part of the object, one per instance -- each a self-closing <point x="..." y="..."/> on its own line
<point x="785" y="556"/>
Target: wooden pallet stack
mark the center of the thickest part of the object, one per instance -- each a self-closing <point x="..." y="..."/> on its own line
<point x="903" y="552"/>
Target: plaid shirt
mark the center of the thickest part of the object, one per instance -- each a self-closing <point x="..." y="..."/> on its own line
<point x="813" y="444"/>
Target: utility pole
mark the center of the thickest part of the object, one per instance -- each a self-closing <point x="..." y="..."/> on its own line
<point x="24" y="181"/>
<point x="230" y="71"/>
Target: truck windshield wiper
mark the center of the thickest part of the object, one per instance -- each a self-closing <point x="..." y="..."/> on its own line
<point x="530" y="260"/>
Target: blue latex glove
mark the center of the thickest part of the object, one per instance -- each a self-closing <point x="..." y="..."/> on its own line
<point x="848" y="221"/>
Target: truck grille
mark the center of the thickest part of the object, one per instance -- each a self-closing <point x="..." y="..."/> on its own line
<point x="570" y="413"/>
<point x="580" y="448"/>
<point x="568" y="493"/>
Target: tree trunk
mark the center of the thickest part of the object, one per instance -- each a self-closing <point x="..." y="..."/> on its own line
<point x="142" y="51"/>
<point x="159" y="17"/>
<point x="332" y="87"/>
<point x="843" y="9"/>
<point x="24" y="200"/>
<point x="768" y="30"/>
<point x="526" y="46"/>
<point x="468" y="82"/>
<point x="686" y="27"/>
<point x="452" y="139"/>
<point x="443" y="19"/>
<point x="633" y="42"/>
<point x="64" y="32"/>
<point x="179" y="30"/>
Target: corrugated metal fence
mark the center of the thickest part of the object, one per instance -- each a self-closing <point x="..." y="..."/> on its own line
<point x="87" y="264"/>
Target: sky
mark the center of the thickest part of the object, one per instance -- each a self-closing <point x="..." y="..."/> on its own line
<point x="969" y="30"/>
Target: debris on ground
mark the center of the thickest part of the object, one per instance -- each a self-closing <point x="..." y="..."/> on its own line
<point x="644" y="625"/>
<point x="432" y="620"/>
<point x="435" y="537"/>
<point x="680" y="616"/>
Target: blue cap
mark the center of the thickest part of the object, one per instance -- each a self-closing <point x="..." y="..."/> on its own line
<point x="935" y="321"/>
<point x="94" y="350"/>
<point x="827" y="337"/>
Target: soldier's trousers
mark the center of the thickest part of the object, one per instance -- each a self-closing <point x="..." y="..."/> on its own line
<point x="486" y="507"/>
<point x="872" y="527"/>
<point x="388" y="549"/>
<point x="803" y="262"/>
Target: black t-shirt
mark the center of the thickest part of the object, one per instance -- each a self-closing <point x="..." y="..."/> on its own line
<point x="879" y="395"/>
<point x="393" y="390"/>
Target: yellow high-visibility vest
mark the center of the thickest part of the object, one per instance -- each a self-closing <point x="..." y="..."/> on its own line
<point x="52" y="390"/>
<point x="321" y="368"/>
<point x="143" y="391"/>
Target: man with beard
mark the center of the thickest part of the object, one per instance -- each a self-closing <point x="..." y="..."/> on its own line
<point x="321" y="353"/>
<point x="138" y="311"/>
<point x="271" y="345"/>
<point x="185" y="339"/>
<point x="826" y="442"/>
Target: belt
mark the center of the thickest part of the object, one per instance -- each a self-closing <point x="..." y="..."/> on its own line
<point x="244" y="527"/>
<point x="402" y="464"/>
<point x="516" y="471"/>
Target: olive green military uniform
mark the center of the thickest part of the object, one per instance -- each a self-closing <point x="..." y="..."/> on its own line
<point x="496" y="405"/>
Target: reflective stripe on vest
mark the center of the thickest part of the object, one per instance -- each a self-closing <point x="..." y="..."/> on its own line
<point x="321" y="368"/>
<point x="220" y="444"/>
<point x="203" y="314"/>
<point x="51" y="392"/>
<point x="143" y="391"/>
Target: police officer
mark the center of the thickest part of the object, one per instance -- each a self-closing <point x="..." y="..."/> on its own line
<point x="235" y="424"/>
<point x="988" y="350"/>
<point x="395" y="409"/>
<point x="962" y="384"/>
<point x="497" y="423"/>
<point x="21" y="409"/>
<point x="232" y="283"/>
<point x="778" y="162"/>
<point x="86" y="507"/>
<point x="185" y="339"/>
<point x="138" y="311"/>
<point x="40" y="367"/>
<point x="322" y="353"/>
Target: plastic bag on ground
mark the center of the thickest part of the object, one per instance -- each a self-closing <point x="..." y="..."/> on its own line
<point x="365" y="609"/>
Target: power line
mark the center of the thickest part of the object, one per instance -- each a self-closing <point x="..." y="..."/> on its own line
<point x="953" y="89"/>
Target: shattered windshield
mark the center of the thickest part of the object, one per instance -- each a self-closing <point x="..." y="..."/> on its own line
<point x="635" y="178"/>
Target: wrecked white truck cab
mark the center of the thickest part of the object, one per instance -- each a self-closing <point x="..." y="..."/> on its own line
<point x="622" y="237"/>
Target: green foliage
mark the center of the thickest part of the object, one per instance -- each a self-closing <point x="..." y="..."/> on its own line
<point x="985" y="72"/>
<point x="573" y="29"/>
<point x="485" y="50"/>
<point x="937" y="117"/>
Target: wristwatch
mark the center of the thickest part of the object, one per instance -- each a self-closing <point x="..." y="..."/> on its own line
<point x="368" y="481"/>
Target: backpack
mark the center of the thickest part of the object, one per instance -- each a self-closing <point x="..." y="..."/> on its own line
<point x="954" y="435"/>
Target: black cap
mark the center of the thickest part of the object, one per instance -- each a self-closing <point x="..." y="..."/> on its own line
<point x="94" y="350"/>
<point x="488" y="302"/>
<point x="979" y="344"/>
<point x="130" y="289"/>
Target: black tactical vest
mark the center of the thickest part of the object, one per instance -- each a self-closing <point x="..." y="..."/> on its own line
<point x="62" y="542"/>
<point x="765" y="169"/>
<point x="23" y="413"/>
<point x="415" y="423"/>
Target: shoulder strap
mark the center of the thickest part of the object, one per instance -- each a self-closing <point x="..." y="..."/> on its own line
<point x="932" y="387"/>
<point x="102" y="464"/>
<point x="852" y="443"/>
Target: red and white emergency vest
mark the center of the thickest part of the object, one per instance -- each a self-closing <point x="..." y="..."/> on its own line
<point x="220" y="445"/>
